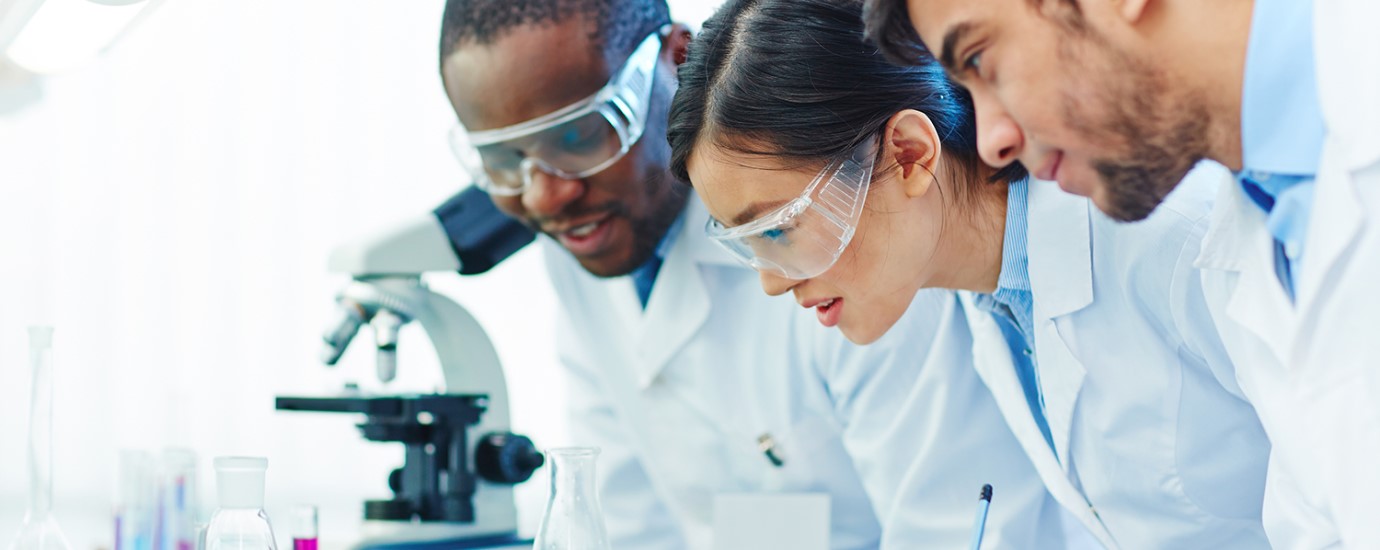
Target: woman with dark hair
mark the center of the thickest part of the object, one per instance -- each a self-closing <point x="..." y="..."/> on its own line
<point x="854" y="183"/>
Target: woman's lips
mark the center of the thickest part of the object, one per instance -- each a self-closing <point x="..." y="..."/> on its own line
<point x="829" y="312"/>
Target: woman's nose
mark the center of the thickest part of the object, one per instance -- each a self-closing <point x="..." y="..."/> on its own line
<point x="776" y="285"/>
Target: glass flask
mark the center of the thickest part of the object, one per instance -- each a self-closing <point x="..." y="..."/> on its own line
<point x="573" y="519"/>
<point x="240" y="523"/>
<point x="40" y="530"/>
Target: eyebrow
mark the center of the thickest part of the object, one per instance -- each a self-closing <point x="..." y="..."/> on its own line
<point x="756" y="209"/>
<point x="951" y="39"/>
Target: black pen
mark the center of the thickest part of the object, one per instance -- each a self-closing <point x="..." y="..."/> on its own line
<point x="984" y="502"/>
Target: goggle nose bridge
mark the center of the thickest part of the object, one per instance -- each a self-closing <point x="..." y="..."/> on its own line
<point x="530" y="165"/>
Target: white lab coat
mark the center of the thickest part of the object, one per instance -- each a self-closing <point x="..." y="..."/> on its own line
<point x="1157" y="447"/>
<point x="1312" y="368"/>
<point x="677" y="396"/>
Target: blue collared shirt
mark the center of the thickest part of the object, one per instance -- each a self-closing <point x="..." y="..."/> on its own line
<point x="1013" y="305"/>
<point x="644" y="277"/>
<point x="1281" y="124"/>
<point x="1013" y="283"/>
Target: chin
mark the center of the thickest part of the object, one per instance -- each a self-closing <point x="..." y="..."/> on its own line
<point x="617" y="262"/>
<point x="861" y="336"/>
<point x="606" y="266"/>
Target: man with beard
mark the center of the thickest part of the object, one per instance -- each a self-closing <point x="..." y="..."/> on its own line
<point x="1117" y="100"/>
<point x="692" y="382"/>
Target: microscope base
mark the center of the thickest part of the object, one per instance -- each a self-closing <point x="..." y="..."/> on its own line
<point x="387" y="535"/>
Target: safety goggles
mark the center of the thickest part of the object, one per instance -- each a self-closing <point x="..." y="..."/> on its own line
<point x="805" y="237"/>
<point x="574" y="142"/>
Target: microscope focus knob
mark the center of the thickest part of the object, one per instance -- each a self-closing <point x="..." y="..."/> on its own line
<point x="506" y="458"/>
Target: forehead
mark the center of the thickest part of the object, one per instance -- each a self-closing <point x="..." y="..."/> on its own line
<point x="526" y="72"/>
<point x="729" y="182"/>
<point x="934" y="19"/>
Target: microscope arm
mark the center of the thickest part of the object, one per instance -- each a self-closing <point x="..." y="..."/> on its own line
<point x="466" y="234"/>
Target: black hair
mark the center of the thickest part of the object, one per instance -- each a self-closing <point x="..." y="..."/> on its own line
<point x="796" y="79"/>
<point x="618" y="25"/>
<point x="888" y="24"/>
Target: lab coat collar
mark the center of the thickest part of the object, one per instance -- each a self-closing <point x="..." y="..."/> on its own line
<point x="1348" y="61"/>
<point x="1232" y="228"/>
<point x="995" y="367"/>
<point x="1061" y="269"/>
<point x="1061" y="280"/>
<point x="1348" y="66"/>
<point x="680" y="302"/>
<point x="1238" y="242"/>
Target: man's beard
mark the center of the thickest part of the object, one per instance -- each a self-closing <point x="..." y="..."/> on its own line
<point x="669" y="197"/>
<point x="1163" y="135"/>
<point x="663" y="191"/>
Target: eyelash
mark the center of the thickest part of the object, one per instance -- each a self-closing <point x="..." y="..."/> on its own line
<point x="774" y="234"/>
<point x="973" y="63"/>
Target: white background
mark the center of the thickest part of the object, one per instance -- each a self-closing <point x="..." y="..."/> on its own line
<point x="170" y="208"/>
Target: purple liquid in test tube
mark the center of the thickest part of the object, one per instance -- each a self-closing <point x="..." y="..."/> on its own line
<point x="304" y="528"/>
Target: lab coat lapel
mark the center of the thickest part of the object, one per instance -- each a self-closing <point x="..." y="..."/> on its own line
<point x="1348" y="65"/>
<point x="1237" y="241"/>
<point x="1060" y="251"/>
<point x="679" y="304"/>
<point x="1348" y="92"/>
<point x="992" y="360"/>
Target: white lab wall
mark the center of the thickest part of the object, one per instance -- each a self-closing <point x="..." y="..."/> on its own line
<point x="170" y="208"/>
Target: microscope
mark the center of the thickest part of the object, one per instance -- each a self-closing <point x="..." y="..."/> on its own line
<point x="455" y="485"/>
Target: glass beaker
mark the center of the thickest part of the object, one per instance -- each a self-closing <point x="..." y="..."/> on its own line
<point x="240" y="523"/>
<point x="573" y="519"/>
<point x="40" y="530"/>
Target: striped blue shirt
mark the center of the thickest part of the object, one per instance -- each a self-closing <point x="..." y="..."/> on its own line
<point x="1013" y="300"/>
<point x="1013" y="305"/>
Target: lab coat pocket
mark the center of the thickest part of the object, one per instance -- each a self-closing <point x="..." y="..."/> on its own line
<point x="804" y="466"/>
<point x="805" y="455"/>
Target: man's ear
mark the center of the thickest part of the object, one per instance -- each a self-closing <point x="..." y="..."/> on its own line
<point x="675" y="45"/>
<point x="912" y="142"/>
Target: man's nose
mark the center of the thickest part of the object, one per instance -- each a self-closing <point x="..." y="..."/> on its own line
<point x="1000" y="140"/>
<point x="547" y="195"/>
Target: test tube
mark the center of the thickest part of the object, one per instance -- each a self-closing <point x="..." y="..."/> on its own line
<point x="304" y="528"/>
<point x="137" y="502"/>
<point x="178" y="501"/>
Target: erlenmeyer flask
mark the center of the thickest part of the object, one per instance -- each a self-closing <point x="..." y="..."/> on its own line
<point x="40" y="530"/>
<point x="240" y="523"/>
<point x="573" y="520"/>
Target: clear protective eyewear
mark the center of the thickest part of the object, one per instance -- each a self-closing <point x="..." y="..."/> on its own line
<point x="574" y="142"/>
<point x="805" y="237"/>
